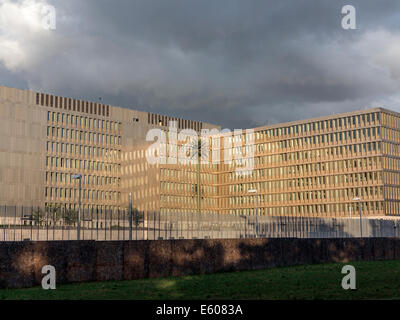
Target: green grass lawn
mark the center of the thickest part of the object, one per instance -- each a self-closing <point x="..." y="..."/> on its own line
<point x="375" y="280"/>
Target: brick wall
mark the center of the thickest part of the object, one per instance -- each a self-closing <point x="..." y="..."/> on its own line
<point x="21" y="262"/>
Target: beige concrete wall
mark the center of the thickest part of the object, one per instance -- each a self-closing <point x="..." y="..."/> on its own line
<point x="22" y="149"/>
<point x="23" y="137"/>
<point x="138" y="176"/>
<point x="23" y="129"/>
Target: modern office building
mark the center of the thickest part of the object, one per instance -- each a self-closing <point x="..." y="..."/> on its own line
<point x="46" y="139"/>
<point x="314" y="167"/>
<point x="317" y="167"/>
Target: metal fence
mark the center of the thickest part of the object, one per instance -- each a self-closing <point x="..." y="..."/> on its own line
<point x="22" y="223"/>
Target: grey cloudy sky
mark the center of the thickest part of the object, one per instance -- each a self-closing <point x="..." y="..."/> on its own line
<point x="238" y="63"/>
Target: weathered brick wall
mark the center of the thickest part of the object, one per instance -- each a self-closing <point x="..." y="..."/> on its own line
<point x="21" y="262"/>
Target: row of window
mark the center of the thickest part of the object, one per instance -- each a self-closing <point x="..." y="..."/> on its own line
<point x="249" y="173"/>
<point x="308" y="142"/>
<point x="186" y="202"/>
<point x="392" y="207"/>
<point x="318" y="195"/>
<point x="316" y="210"/>
<point x="345" y="137"/>
<point x="305" y="156"/>
<point x="391" y="178"/>
<point x="87" y="210"/>
<point x="182" y="174"/>
<point x="157" y="119"/>
<point x="99" y="181"/>
<point x="84" y="136"/>
<point x="391" y="149"/>
<point x="311" y="182"/>
<point x="391" y="134"/>
<point x="181" y="155"/>
<point x="80" y="150"/>
<point x="186" y="187"/>
<point x="391" y="163"/>
<point x="389" y="120"/>
<point x="313" y="127"/>
<point x="72" y="104"/>
<point x="309" y="168"/>
<point x="66" y="119"/>
<point x="326" y="153"/>
<point x="186" y="213"/>
<point x="57" y="162"/>
<point x="71" y="194"/>
<point x="349" y="150"/>
<point x="392" y="193"/>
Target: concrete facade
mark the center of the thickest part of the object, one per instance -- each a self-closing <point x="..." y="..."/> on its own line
<point x="45" y="139"/>
<point x="312" y="167"/>
<point x="316" y="167"/>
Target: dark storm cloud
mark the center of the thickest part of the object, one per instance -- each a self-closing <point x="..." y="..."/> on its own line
<point x="235" y="63"/>
<point x="10" y="79"/>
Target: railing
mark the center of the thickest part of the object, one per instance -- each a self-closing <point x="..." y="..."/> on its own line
<point x="35" y="224"/>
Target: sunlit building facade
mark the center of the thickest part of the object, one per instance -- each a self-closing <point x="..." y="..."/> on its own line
<point x="46" y="139"/>
<point x="317" y="167"/>
<point x="313" y="167"/>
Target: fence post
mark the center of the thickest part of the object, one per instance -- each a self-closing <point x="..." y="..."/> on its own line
<point x="54" y="220"/>
<point x="118" y="226"/>
<point x="105" y="224"/>
<point x="19" y="223"/>
<point x="15" y="219"/>
<point x="159" y="224"/>
<point x="154" y="225"/>
<point x="31" y="222"/>
<point x="147" y="225"/>
<point x="111" y="223"/>
<point x="38" y="223"/>
<point x="130" y="216"/>
<point x="5" y="222"/>
<point x="245" y="225"/>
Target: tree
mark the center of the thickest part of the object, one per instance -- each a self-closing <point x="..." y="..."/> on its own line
<point x="197" y="152"/>
<point x="56" y="214"/>
<point x="38" y="216"/>
<point x="138" y="216"/>
<point x="70" y="217"/>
